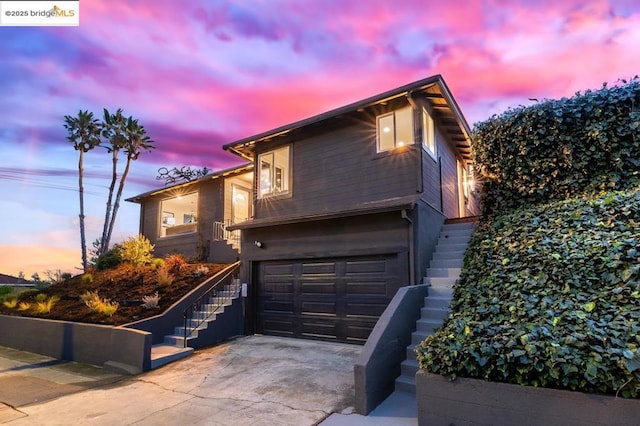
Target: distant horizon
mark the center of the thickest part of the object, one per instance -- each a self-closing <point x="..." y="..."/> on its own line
<point x="199" y="75"/>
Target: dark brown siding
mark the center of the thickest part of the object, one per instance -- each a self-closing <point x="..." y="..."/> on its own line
<point x="441" y="178"/>
<point x="340" y="169"/>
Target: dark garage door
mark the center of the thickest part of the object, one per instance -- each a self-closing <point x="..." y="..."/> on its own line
<point x="336" y="299"/>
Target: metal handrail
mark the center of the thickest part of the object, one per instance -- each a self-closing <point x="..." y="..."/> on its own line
<point x="196" y="306"/>
<point x="221" y="233"/>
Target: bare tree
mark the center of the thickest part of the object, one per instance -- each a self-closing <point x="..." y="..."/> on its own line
<point x="184" y="173"/>
<point x="84" y="133"/>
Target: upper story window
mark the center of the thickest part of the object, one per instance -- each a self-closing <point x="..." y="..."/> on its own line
<point x="395" y="129"/>
<point x="275" y="172"/>
<point x="179" y="214"/>
<point x="428" y="133"/>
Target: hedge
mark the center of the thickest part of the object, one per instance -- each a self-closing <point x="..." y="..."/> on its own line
<point x="549" y="296"/>
<point x="559" y="148"/>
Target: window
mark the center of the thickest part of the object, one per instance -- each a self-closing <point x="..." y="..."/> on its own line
<point x="395" y="129"/>
<point x="179" y="214"/>
<point x="428" y="133"/>
<point x="274" y="172"/>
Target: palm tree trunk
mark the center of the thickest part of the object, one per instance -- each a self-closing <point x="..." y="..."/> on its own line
<point x="104" y="241"/>
<point x="83" y="241"/>
<point x="118" y="196"/>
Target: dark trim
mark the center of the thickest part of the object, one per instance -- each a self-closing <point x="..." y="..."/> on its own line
<point x="394" y="204"/>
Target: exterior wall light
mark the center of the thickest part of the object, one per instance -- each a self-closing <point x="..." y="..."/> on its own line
<point x="258" y="244"/>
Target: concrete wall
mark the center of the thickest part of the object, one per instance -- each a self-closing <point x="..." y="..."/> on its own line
<point x="115" y="347"/>
<point x="378" y="365"/>
<point x="473" y="402"/>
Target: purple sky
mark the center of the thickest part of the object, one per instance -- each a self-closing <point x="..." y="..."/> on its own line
<point x="199" y="74"/>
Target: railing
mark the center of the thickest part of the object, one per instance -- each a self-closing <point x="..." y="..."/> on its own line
<point x="221" y="233"/>
<point x="212" y="306"/>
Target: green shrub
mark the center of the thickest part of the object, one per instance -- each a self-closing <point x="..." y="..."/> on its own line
<point x="41" y="297"/>
<point x="136" y="250"/>
<point x="109" y="260"/>
<point x="66" y="276"/>
<point x="549" y="297"/>
<point x="559" y="148"/>
<point x="5" y="289"/>
<point x="87" y="278"/>
<point x="157" y="262"/>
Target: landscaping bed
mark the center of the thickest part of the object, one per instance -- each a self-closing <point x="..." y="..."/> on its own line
<point x="125" y="285"/>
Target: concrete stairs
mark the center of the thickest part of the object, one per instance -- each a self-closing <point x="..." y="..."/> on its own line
<point x="443" y="272"/>
<point x="173" y="347"/>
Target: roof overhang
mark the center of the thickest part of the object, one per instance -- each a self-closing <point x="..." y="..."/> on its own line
<point x="374" y="207"/>
<point x="183" y="185"/>
<point x="445" y="110"/>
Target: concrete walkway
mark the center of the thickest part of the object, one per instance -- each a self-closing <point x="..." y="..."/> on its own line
<point x="254" y="380"/>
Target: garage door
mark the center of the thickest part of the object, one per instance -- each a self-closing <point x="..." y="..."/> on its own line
<point x="331" y="299"/>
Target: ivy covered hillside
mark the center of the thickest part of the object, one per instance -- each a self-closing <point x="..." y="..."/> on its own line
<point x="550" y="290"/>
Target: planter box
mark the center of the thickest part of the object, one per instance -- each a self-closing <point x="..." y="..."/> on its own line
<point x="478" y="402"/>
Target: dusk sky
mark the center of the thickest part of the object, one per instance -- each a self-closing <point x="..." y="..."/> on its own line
<point x="200" y="74"/>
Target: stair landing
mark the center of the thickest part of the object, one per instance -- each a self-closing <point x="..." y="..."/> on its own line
<point x="164" y="354"/>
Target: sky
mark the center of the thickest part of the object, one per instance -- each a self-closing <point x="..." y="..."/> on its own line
<point x="203" y="73"/>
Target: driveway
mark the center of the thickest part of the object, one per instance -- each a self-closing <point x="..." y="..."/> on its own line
<point x="253" y="380"/>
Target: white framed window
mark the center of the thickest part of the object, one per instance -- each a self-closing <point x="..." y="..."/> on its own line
<point x="274" y="172"/>
<point x="428" y="134"/>
<point x="178" y="215"/>
<point x="395" y="129"/>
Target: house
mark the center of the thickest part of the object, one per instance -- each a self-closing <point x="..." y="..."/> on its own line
<point x="333" y="213"/>
<point x="348" y="206"/>
<point x="16" y="283"/>
<point x="190" y="218"/>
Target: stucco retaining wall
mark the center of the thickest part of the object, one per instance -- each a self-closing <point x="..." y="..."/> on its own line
<point x="478" y="402"/>
<point x="379" y="362"/>
<point x="122" y="349"/>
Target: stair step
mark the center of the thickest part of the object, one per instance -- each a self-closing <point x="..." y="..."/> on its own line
<point x="424" y="328"/>
<point x="434" y="313"/>
<point x="406" y="384"/>
<point x="409" y="367"/>
<point x="444" y="272"/>
<point x="164" y="354"/>
<point x="446" y="263"/>
<point x="467" y="226"/>
<point x="450" y="239"/>
<point x="451" y="249"/>
<point x="456" y="231"/>
<point x="441" y="281"/>
<point x="440" y="292"/>
<point x="418" y="336"/>
<point x="437" y="302"/>
<point x="445" y="255"/>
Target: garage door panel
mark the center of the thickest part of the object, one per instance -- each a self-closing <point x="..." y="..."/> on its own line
<point x="325" y="330"/>
<point x="278" y="326"/>
<point x="336" y="299"/>
<point x="319" y="308"/>
<point x="278" y="306"/>
<point x="278" y="269"/>
<point x="278" y="287"/>
<point x="367" y="287"/>
<point x="319" y="268"/>
<point x="362" y="267"/>
<point x="318" y="287"/>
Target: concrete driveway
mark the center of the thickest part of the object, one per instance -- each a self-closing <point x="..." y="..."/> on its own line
<point x="253" y="380"/>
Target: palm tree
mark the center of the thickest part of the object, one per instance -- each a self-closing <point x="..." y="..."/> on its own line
<point x="113" y="130"/>
<point x="84" y="133"/>
<point x="136" y="140"/>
